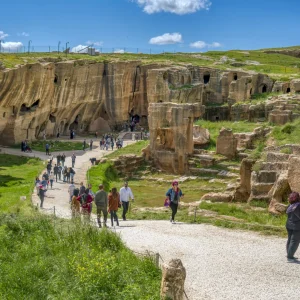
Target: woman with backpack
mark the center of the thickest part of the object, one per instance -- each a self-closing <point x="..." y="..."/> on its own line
<point x="75" y="204"/>
<point x="174" y="194"/>
<point x="113" y="204"/>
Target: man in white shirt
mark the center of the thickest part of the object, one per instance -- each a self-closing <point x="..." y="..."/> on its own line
<point x="125" y="194"/>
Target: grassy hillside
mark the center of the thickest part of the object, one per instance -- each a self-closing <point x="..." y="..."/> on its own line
<point x="278" y="66"/>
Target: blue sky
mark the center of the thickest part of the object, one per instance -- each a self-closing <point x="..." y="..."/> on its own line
<point x="140" y="25"/>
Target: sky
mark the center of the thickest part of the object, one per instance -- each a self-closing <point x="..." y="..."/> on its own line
<point x="141" y="25"/>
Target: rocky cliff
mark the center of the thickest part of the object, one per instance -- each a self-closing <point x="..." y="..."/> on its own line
<point x="88" y="96"/>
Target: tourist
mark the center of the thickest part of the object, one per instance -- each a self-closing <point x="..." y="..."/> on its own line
<point x="63" y="159"/>
<point x="83" y="145"/>
<point x="91" y="193"/>
<point x="125" y="194"/>
<point x="51" y="178"/>
<point x="65" y="171"/>
<point x="81" y="189"/>
<point x="55" y="170"/>
<point x="85" y="200"/>
<point x="42" y="192"/>
<point x="71" y="190"/>
<point x="47" y="149"/>
<point x="46" y="178"/>
<point x="51" y="159"/>
<point x="68" y="175"/>
<point x="75" y="204"/>
<point x="73" y="158"/>
<point x="44" y="183"/>
<point x="23" y="146"/>
<point x="101" y="203"/>
<point x="113" y="204"/>
<point x="58" y="159"/>
<point x="174" y="194"/>
<point x="100" y="144"/>
<point x="72" y="173"/>
<point x="59" y="171"/>
<point x="49" y="167"/>
<point x="37" y="185"/>
<point x="293" y="226"/>
<point x="91" y="144"/>
<point x="112" y="144"/>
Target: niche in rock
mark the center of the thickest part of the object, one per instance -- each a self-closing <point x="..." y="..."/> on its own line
<point x="75" y="124"/>
<point x="288" y="90"/>
<point x="250" y="92"/>
<point x="52" y="119"/>
<point x="182" y="80"/>
<point x="264" y="89"/>
<point x="235" y="76"/>
<point x="55" y="79"/>
<point x="4" y="115"/>
<point x="165" y="76"/>
<point x="33" y="107"/>
<point x="206" y="78"/>
<point x="189" y="81"/>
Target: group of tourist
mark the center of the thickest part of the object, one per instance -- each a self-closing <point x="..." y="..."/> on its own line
<point x="82" y="200"/>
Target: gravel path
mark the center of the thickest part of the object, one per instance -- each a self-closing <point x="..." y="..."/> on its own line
<point x="220" y="264"/>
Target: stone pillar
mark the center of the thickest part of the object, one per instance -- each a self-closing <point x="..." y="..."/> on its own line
<point x="172" y="283"/>
<point x="226" y="143"/>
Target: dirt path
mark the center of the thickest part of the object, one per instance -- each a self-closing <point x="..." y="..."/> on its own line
<point x="220" y="264"/>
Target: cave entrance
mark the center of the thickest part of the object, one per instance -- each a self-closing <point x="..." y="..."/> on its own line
<point x="206" y="78"/>
<point x="52" y="119"/>
<point x="250" y="92"/>
<point x="75" y="124"/>
<point x="135" y="118"/>
<point x="55" y="78"/>
<point x="288" y="90"/>
<point x="264" y="89"/>
<point x="235" y="76"/>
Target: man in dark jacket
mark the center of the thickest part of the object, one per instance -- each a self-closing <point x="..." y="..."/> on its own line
<point x="49" y="167"/>
<point x="55" y="170"/>
<point x="101" y="203"/>
<point x="293" y="226"/>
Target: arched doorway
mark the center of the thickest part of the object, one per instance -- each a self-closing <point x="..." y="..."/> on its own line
<point x="288" y="90"/>
<point x="264" y="89"/>
<point x="206" y="78"/>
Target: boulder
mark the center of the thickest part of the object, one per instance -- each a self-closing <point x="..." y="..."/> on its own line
<point x="218" y="197"/>
<point x="201" y="135"/>
<point x="279" y="191"/>
<point x="227" y="143"/>
<point x="173" y="278"/>
<point x="294" y="173"/>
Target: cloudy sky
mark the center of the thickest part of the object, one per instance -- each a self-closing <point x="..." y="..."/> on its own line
<point x="141" y="25"/>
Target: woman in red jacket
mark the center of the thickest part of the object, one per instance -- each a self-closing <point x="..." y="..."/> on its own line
<point x="86" y="199"/>
<point x="113" y="204"/>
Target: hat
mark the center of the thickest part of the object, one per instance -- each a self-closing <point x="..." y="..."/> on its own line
<point x="175" y="182"/>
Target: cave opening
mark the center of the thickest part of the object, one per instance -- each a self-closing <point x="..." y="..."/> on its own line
<point x="55" y="78"/>
<point x="165" y="76"/>
<point x="206" y="78"/>
<point x="75" y="124"/>
<point x="288" y="90"/>
<point x="250" y="92"/>
<point x="235" y="76"/>
<point x="52" y="118"/>
<point x="4" y="114"/>
<point x="182" y="80"/>
<point x="264" y="89"/>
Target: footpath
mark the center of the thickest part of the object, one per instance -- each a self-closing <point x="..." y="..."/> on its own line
<point x="220" y="263"/>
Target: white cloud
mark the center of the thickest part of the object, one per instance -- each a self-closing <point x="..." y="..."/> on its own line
<point x="80" y="49"/>
<point x="202" y="44"/>
<point x="23" y="34"/>
<point x="3" y="35"/>
<point x="179" y="7"/>
<point x="94" y="43"/>
<point x="166" y="39"/>
<point x="11" y="46"/>
<point x="119" y="51"/>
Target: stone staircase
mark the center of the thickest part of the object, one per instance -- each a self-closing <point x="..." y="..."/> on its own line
<point x="263" y="180"/>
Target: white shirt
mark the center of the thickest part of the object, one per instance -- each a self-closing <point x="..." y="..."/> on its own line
<point x="71" y="189"/>
<point x="125" y="193"/>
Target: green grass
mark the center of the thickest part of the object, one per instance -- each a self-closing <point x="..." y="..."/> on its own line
<point x="17" y="175"/>
<point x="287" y="134"/>
<point x="215" y="127"/>
<point x="45" y="259"/>
<point x="55" y="146"/>
<point x="135" y="149"/>
<point x="276" y="65"/>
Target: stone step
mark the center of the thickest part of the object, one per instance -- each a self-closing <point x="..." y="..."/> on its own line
<point x="203" y="171"/>
<point x="275" y="166"/>
<point x="266" y="176"/>
<point x="263" y="197"/>
<point x="277" y="157"/>
<point x="261" y="188"/>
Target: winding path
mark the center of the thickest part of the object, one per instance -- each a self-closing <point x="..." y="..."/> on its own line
<point x="221" y="264"/>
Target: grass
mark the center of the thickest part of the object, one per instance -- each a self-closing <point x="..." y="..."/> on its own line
<point x="287" y="134"/>
<point x="276" y="65"/>
<point x="17" y="175"/>
<point x="42" y="258"/>
<point x="215" y="127"/>
<point x="55" y="146"/>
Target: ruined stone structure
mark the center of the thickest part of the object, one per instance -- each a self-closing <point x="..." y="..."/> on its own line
<point x="56" y="96"/>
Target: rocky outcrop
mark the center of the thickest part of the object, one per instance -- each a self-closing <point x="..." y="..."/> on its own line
<point x="218" y="197"/>
<point x="171" y="134"/>
<point x="173" y="278"/>
<point x="247" y="140"/>
<point x="227" y="143"/>
<point x="126" y="165"/>
<point x="201" y="136"/>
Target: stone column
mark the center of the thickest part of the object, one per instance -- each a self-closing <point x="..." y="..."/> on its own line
<point x="173" y="277"/>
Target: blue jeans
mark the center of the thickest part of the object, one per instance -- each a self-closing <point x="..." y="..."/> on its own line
<point x="125" y="209"/>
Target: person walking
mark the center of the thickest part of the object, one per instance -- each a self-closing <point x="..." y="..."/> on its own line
<point x="47" y="149"/>
<point x="101" y="203"/>
<point x="72" y="174"/>
<point x="58" y="159"/>
<point x="81" y="189"/>
<point x="49" y="167"/>
<point x="91" y="145"/>
<point x="65" y="171"/>
<point x="63" y="159"/>
<point x="113" y="204"/>
<point x="55" y="171"/>
<point x="45" y="179"/>
<point x="51" y="178"/>
<point x="293" y="226"/>
<point x="85" y="200"/>
<point x="42" y="192"/>
<point x="37" y="185"/>
<point x="125" y="194"/>
<point x="68" y="174"/>
<point x="59" y="171"/>
<point x="112" y="144"/>
<point x="71" y="190"/>
<point x="174" y="194"/>
<point x="73" y="158"/>
<point x="83" y="145"/>
<point x="75" y="204"/>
